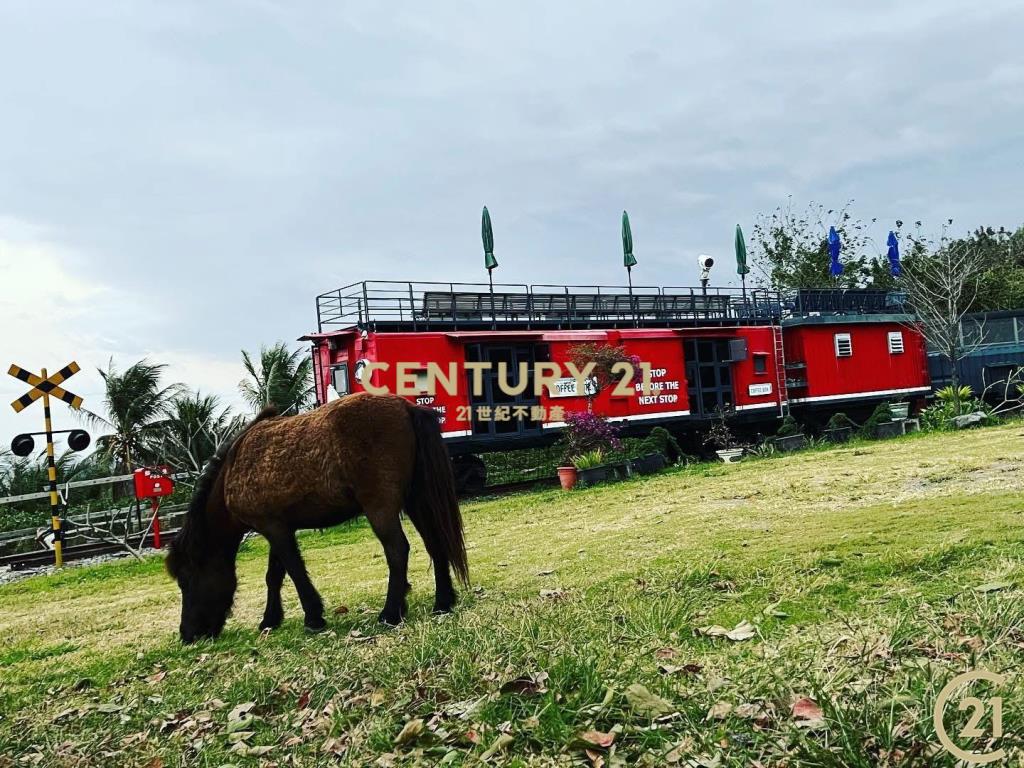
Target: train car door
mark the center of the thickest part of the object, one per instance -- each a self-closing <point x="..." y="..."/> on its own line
<point x="493" y="395"/>
<point x="708" y="375"/>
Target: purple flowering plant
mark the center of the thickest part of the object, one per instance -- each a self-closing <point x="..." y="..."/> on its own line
<point x="585" y="431"/>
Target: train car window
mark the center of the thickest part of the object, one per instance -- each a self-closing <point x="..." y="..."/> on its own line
<point x="339" y="378"/>
<point x="760" y="363"/>
<point x="844" y="345"/>
<point x="737" y="350"/>
<point x="895" y="342"/>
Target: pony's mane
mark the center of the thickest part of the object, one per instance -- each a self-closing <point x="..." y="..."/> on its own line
<point x="193" y="529"/>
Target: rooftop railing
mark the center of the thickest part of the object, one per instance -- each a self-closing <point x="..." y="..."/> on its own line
<point x="423" y="306"/>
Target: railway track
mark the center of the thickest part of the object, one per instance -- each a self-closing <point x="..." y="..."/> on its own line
<point x="39" y="558"/>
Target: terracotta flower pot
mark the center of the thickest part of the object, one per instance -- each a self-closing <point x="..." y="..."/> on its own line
<point x="567" y="477"/>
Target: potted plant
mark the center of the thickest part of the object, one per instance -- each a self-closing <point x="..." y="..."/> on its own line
<point x="789" y="436"/>
<point x="567" y="477"/>
<point x="655" y="451"/>
<point x="584" y="433"/>
<point x="880" y="424"/>
<point x="590" y="467"/>
<point x="839" y="428"/>
<point x="721" y="439"/>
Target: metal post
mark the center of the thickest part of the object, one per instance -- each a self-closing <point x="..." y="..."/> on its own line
<point x="632" y="307"/>
<point x="490" y="280"/>
<point x="155" y="502"/>
<point x="51" y="472"/>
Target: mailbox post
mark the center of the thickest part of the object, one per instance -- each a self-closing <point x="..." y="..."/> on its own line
<point x="153" y="483"/>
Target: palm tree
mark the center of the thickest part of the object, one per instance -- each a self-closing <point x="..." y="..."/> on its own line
<point x="137" y="407"/>
<point x="280" y="378"/>
<point x="196" y="427"/>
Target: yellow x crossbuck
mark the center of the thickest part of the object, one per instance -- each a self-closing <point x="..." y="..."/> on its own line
<point x="50" y="386"/>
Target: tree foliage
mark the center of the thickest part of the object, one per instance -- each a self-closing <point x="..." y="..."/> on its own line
<point x="790" y="248"/>
<point x="137" y="407"/>
<point x="196" y="427"/>
<point x="278" y="377"/>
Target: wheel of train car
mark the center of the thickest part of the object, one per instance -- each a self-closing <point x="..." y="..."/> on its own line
<point x="470" y="474"/>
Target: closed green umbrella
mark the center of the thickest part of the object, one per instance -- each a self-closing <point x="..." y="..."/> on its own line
<point x="741" y="260"/>
<point x="487" y="234"/>
<point x="488" y="237"/>
<point x="628" y="259"/>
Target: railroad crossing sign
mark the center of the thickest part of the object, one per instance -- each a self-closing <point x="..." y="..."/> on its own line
<point x="44" y="387"/>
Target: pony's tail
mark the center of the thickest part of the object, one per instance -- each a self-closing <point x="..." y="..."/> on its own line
<point x="431" y="502"/>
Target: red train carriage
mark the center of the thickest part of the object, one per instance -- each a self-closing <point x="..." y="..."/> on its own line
<point x="757" y="353"/>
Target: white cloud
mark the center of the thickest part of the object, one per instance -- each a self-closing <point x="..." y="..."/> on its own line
<point x="51" y="314"/>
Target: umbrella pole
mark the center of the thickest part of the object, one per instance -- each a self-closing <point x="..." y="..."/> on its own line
<point x="632" y="308"/>
<point x="490" y="279"/>
<point x="743" y="278"/>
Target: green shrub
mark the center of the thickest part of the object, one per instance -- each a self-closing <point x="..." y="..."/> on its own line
<point x="788" y="427"/>
<point x="660" y="440"/>
<point x="589" y="460"/>
<point x="881" y="415"/>
<point x="840" y="421"/>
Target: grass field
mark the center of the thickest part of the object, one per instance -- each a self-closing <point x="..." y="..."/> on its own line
<point x="869" y="575"/>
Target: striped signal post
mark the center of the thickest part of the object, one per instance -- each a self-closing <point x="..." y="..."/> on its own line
<point x="42" y="387"/>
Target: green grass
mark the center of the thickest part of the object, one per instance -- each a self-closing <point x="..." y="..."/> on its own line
<point x="858" y="567"/>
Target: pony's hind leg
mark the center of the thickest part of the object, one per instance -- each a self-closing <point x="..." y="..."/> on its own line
<point x="286" y="549"/>
<point x="274" y="613"/>
<point x="388" y="527"/>
<point x="444" y="592"/>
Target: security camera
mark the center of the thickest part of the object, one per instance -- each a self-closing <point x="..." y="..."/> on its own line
<point x="705" y="261"/>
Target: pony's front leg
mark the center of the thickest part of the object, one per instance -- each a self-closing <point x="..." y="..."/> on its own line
<point x="274" y="613"/>
<point x="286" y="549"/>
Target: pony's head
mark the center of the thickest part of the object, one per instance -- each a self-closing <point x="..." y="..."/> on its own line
<point x="202" y="555"/>
<point x="205" y="572"/>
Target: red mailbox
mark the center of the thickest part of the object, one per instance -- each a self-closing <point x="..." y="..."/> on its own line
<point x="152" y="483"/>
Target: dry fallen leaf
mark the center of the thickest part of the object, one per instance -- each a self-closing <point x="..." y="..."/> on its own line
<point x="592" y="740"/>
<point x="742" y="631"/>
<point x="719" y="711"/>
<point x="646" y="703"/>
<point x="713" y="630"/>
<point x="807" y="712"/>
<point x="527" y="685"/>
<point x="410" y="732"/>
<point x="340" y="610"/>
<point x="500" y="745"/>
<point x="993" y="586"/>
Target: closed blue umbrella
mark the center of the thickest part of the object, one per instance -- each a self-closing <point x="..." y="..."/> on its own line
<point x="894" y="255"/>
<point x="835" y="245"/>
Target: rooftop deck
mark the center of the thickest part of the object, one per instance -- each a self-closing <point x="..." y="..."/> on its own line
<point x="429" y="306"/>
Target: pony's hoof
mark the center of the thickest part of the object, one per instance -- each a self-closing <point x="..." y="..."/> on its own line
<point x="443" y="610"/>
<point x="390" y="620"/>
<point x="269" y="624"/>
<point x="315" y="629"/>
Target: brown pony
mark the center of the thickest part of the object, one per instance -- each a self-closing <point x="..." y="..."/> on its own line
<point x="364" y="454"/>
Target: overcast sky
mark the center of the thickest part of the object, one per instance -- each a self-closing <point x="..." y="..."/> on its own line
<point x="179" y="180"/>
